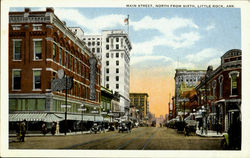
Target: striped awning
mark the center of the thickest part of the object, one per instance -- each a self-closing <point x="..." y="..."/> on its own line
<point x="46" y="117"/>
<point x="78" y="117"/>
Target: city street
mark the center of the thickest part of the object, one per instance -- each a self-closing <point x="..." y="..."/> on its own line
<point x="142" y="138"/>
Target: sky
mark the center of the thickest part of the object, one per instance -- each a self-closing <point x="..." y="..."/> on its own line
<point x="163" y="39"/>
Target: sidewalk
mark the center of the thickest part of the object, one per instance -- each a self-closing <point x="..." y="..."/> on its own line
<point x="49" y="134"/>
<point x="209" y="133"/>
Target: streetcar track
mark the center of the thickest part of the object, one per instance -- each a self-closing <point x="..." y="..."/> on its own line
<point x="149" y="139"/>
<point x="107" y="140"/>
<point x="95" y="140"/>
<point x="88" y="142"/>
<point x="131" y="140"/>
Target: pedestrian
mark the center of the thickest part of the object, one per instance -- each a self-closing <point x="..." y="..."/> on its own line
<point x="22" y="130"/>
<point x="53" y="128"/>
<point x="44" y="129"/>
<point x="18" y="133"/>
<point x="57" y="128"/>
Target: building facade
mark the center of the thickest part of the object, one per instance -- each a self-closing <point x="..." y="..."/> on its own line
<point x="113" y="48"/>
<point x="219" y="92"/>
<point x="139" y="102"/>
<point x="188" y="79"/>
<point x="39" y="45"/>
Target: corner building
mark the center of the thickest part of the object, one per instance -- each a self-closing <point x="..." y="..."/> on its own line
<point x="39" y="45"/>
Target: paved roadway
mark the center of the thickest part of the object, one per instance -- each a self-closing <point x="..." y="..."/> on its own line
<point x="143" y="138"/>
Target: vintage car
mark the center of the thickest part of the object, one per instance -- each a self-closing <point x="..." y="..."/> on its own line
<point x="124" y="126"/>
<point x="96" y="128"/>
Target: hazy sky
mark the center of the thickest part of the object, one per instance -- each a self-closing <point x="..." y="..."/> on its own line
<point x="163" y="39"/>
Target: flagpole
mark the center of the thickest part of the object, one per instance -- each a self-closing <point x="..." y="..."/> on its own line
<point x="128" y="24"/>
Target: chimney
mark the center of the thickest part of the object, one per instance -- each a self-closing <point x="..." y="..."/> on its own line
<point x="26" y="9"/>
<point x="50" y="9"/>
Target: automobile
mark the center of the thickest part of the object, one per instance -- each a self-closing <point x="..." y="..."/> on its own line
<point x="96" y="128"/>
<point x="124" y="126"/>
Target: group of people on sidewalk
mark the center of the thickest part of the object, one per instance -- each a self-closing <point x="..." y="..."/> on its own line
<point x="54" y="128"/>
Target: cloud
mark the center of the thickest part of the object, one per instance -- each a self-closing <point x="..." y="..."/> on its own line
<point x="210" y="27"/>
<point x="203" y="55"/>
<point x="169" y="35"/>
<point x="140" y="59"/>
<point x="93" y="25"/>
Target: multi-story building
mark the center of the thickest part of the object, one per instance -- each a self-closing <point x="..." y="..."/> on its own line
<point x="188" y="79"/>
<point x="140" y="102"/>
<point x="112" y="47"/>
<point x="94" y="42"/>
<point x="39" y="45"/>
<point x="219" y="93"/>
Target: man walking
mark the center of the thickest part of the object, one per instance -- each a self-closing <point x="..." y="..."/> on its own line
<point x="22" y="130"/>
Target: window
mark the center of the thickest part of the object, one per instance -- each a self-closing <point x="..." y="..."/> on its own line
<point x="65" y="59"/>
<point x="83" y="70"/>
<point x="117" y="39"/>
<point x="107" y="47"/>
<point x="117" y="70"/>
<point x="17" y="49"/>
<point x="107" y="63"/>
<point x="234" y="87"/>
<point x="37" y="49"/>
<point x="107" y="86"/>
<point x="221" y="86"/>
<point x="117" y="78"/>
<point x="16" y="27"/>
<point x="98" y="50"/>
<point x="214" y="87"/>
<point x="98" y="43"/>
<point x="107" y="39"/>
<point x="107" y="55"/>
<point x="117" y="62"/>
<point x="117" y="55"/>
<point x="37" y="27"/>
<point x="93" y="50"/>
<point x="107" y="70"/>
<point x="36" y="79"/>
<point x="93" y="43"/>
<point x="54" y="52"/>
<point x="117" y="86"/>
<point x="54" y="75"/>
<point x="117" y="46"/>
<point x="70" y="62"/>
<point x="60" y="56"/>
<point x="107" y="78"/>
<point x="79" y="68"/>
<point x="89" y="43"/>
<point x="16" y="79"/>
<point x="75" y="66"/>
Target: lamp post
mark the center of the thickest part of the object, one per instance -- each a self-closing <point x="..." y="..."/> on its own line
<point x="82" y="109"/>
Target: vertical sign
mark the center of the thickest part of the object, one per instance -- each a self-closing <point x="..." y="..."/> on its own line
<point x="93" y="63"/>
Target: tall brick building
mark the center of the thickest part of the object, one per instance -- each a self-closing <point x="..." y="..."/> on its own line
<point x="39" y="45"/>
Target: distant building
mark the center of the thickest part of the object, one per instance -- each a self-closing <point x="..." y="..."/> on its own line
<point x="189" y="78"/>
<point x="140" y="102"/>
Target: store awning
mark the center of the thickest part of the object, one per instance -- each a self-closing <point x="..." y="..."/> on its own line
<point x="34" y="117"/>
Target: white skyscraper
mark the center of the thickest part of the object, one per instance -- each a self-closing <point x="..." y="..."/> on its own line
<point x="113" y="48"/>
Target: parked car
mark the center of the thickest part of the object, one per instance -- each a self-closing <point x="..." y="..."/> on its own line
<point x="96" y="128"/>
<point x="124" y="126"/>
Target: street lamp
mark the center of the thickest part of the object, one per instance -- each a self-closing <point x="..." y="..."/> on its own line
<point x="82" y="109"/>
